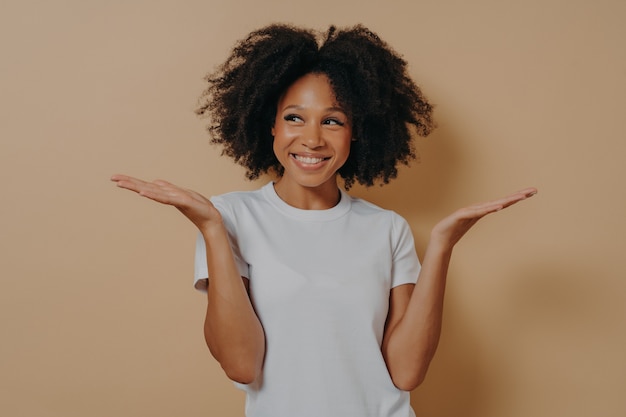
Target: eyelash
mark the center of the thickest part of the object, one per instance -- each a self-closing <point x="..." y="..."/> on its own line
<point x="334" y="121"/>
<point x="294" y="117"/>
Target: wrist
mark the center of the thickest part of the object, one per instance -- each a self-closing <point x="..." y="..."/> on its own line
<point x="437" y="246"/>
<point x="212" y="230"/>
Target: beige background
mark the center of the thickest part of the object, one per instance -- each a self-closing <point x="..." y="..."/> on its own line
<point x="97" y="312"/>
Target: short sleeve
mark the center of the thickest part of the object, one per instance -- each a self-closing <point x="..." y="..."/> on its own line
<point x="201" y="270"/>
<point x="406" y="265"/>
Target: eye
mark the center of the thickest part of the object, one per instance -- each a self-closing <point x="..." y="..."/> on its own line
<point x="292" y="118"/>
<point x="333" y="121"/>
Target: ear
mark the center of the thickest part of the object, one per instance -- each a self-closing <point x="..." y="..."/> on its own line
<point x="273" y="131"/>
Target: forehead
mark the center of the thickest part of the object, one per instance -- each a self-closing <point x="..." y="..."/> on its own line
<point x="310" y="90"/>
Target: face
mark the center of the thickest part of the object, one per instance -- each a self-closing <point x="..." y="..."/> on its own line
<point x="312" y="133"/>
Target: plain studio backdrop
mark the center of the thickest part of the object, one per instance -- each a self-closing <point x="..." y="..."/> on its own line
<point x="97" y="312"/>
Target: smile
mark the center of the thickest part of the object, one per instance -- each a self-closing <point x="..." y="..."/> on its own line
<point x="308" y="159"/>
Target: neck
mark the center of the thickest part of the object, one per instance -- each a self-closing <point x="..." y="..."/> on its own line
<point x="308" y="198"/>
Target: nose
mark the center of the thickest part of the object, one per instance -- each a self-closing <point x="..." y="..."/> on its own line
<point x="313" y="136"/>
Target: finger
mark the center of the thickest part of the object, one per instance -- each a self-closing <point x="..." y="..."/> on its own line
<point x="151" y="190"/>
<point x="130" y="183"/>
<point x="121" y="177"/>
<point x="519" y="196"/>
<point x="508" y="200"/>
<point x="528" y="192"/>
<point x="522" y="194"/>
<point x="161" y="190"/>
<point x="163" y="183"/>
<point x="175" y="193"/>
<point x="481" y="210"/>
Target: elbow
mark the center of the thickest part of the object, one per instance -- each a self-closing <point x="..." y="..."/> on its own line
<point x="408" y="382"/>
<point x="407" y="378"/>
<point x="240" y="364"/>
<point x="409" y="371"/>
<point x="242" y="368"/>
<point x="241" y="374"/>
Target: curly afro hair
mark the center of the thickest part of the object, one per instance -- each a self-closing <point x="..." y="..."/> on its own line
<point x="368" y="77"/>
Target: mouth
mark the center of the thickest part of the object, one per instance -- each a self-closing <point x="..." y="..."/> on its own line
<point x="309" y="160"/>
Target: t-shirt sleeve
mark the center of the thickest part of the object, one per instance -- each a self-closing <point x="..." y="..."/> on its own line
<point x="201" y="271"/>
<point x="406" y="265"/>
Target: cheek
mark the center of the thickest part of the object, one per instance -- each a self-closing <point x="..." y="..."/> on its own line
<point x="346" y="150"/>
<point x="283" y="134"/>
<point x="347" y="144"/>
<point x="342" y="151"/>
<point x="280" y="141"/>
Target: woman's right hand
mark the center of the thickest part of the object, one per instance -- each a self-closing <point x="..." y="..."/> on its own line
<point x="232" y="329"/>
<point x="194" y="206"/>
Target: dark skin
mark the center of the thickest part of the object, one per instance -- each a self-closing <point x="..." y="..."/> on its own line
<point x="312" y="140"/>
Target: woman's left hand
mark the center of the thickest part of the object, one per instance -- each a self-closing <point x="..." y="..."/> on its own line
<point x="450" y="230"/>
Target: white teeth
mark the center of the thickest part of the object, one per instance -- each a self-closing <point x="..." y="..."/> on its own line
<point x="308" y="159"/>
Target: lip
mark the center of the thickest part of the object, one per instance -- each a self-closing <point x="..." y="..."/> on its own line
<point x="309" y="161"/>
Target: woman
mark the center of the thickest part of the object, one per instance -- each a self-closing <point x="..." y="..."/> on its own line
<point x="317" y="303"/>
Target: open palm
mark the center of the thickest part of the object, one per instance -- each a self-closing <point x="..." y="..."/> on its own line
<point x="193" y="205"/>
<point x="452" y="228"/>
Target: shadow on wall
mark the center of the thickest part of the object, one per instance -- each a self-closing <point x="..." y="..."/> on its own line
<point x="463" y="379"/>
<point x="422" y="193"/>
<point x="549" y="315"/>
<point x="456" y="383"/>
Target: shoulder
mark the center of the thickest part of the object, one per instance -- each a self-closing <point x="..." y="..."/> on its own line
<point x="380" y="220"/>
<point x="367" y="208"/>
<point x="234" y="199"/>
<point x="361" y="205"/>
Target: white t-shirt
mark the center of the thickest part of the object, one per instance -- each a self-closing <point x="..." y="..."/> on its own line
<point x="320" y="283"/>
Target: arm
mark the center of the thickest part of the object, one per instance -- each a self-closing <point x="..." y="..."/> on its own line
<point x="232" y="330"/>
<point x="415" y="314"/>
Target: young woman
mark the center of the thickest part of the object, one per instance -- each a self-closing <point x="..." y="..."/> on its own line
<point x="317" y="303"/>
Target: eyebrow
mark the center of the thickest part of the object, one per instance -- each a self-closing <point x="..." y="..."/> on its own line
<point x="298" y="107"/>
